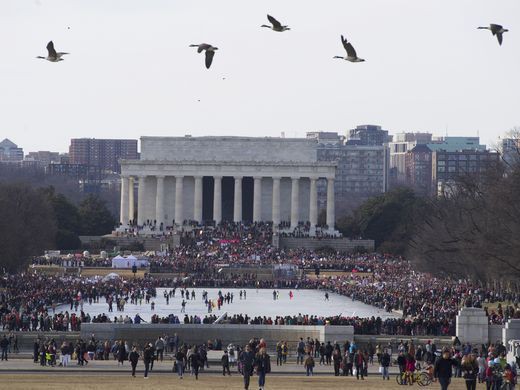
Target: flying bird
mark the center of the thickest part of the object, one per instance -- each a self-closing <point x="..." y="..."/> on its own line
<point x="52" y="55"/>
<point x="276" y="25"/>
<point x="496" y="29"/>
<point x="351" y="53"/>
<point x="210" y="52"/>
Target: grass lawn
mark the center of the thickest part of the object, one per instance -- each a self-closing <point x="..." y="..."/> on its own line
<point x="210" y="381"/>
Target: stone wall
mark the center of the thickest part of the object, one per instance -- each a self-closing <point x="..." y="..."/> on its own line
<point x="237" y="334"/>
<point x="228" y="149"/>
<point x="472" y="325"/>
<point x="339" y="244"/>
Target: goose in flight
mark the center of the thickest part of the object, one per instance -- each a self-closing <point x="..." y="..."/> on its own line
<point x="496" y="29"/>
<point x="53" y="56"/>
<point x="210" y="52"/>
<point x="351" y="53"/>
<point x="276" y="25"/>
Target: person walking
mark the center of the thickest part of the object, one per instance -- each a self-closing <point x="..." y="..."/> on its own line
<point x="301" y="351"/>
<point x="470" y="371"/>
<point x="36" y="350"/>
<point x="134" y="358"/>
<point x="247" y="360"/>
<point x="159" y="347"/>
<point x="147" y="358"/>
<point x="359" y="361"/>
<point x="385" y="364"/>
<point x="65" y="354"/>
<point x="328" y="353"/>
<point x="279" y="353"/>
<point x="336" y="359"/>
<point x="195" y="362"/>
<point x="4" y="344"/>
<point x="443" y="369"/>
<point x="225" y="363"/>
<point x="309" y="364"/>
<point x="263" y="367"/>
<point x="179" y="362"/>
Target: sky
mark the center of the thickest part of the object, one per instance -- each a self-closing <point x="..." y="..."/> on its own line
<point x="130" y="72"/>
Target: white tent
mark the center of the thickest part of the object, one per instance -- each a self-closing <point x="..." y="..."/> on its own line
<point x="128" y="262"/>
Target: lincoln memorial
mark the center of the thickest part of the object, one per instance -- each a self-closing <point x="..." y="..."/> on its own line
<point x="218" y="179"/>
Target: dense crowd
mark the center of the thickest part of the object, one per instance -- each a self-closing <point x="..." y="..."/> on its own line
<point x="428" y="305"/>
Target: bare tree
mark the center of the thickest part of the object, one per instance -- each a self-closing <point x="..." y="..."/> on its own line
<point x="473" y="231"/>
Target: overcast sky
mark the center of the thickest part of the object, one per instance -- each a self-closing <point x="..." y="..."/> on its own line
<point x="131" y="73"/>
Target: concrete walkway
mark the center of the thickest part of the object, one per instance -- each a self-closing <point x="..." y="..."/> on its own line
<point x="165" y="367"/>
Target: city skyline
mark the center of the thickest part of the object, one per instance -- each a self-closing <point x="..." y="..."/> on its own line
<point x="428" y="69"/>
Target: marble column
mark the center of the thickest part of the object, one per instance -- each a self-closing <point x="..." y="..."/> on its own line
<point x="217" y="199"/>
<point x="313" y="206"/>
<point x="124" y="201"/>
<point x="141" y="201"/>
<point x="331" y="218"/>
<point x="179" y="215"/>
<point x="276" y="201"/>
<point x="237" y="209"/>
<point x="197" y="200"/>
<point x="159" y="202"/>
<point x="257" y="199"/>
<point x="295" y="202"/>
<point x="131" y="204"/>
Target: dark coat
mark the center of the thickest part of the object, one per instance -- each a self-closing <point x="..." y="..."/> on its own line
<point x="133" y="357"/>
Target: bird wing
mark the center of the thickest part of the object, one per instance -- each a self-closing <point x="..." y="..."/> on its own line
<point x="499" y="37"/>
<point x="348" y="47"/>
<point x="274" y="22"/>
<point x="350" y="50"/>
<point x="209" y="57"/>
<point x="495" y="28"/>
<point x="50" y="49"/>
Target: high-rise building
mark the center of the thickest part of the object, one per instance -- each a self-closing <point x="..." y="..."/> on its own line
<point x="401" y="144"/>
<point x="511" y="151"/>
<point x="368" y="135"/>
<point x="449" y="166"/>
<point x="10" y="152"/>
<point x="362" y="170"/>
<point x="419" y="169"/>
<point x="102" y="153"/>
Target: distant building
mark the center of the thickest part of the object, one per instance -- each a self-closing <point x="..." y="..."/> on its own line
<point x="43" y="157"/>
<point x="102" y="153"/>
<point x="449" y="166"/>
<point x="10" y="152"/>
<point x="368" y="135"/>
<point x="80" y="172"/>
<point x="419" y="169"/>
<point x="511" y="151"/>
<point x="326" y="137"/>
<point x="362" y="170"/>
<point x="451" y="144"/>
<point x="401" y="144"/>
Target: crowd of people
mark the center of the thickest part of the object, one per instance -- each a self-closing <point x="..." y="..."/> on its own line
<point x="486" y="364"/>
<point x="427" y="305"/>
